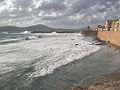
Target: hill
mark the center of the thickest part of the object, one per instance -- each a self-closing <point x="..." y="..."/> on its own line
<point x="36" y="29"/>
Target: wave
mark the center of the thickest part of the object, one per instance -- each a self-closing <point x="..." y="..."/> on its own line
<point x="4" y="32"/>
<point x="8" y="41"/>
<point x="46" y="53"/>
<point x="54" y="32"/>
<point x="31" y="37"/>
<point x="26" y="32"/>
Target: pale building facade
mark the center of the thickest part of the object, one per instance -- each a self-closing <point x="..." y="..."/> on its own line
<point x="97" y="28"/>
<point x="113" y="25"/>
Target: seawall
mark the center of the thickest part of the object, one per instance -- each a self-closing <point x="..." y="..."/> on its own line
<point x="110" y="36"/>
<point x="89" y="33"/>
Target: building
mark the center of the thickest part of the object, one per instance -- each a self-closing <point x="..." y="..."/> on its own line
<point x="97" y="28"/>
<point x="113" y="25"/>
<point x="100" y="27"/>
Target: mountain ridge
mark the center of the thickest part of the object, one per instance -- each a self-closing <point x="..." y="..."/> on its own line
<point x="39" y="28"/>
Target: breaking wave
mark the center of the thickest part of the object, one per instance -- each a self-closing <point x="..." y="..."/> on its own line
<point x="44" y="54"/>
<point x="26" y="32"/>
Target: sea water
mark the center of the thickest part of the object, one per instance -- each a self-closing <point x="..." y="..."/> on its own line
<point x="6" y="37"/>
<point x="26" y="60"/>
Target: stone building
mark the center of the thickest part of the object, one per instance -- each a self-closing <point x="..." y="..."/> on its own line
<point x="97" y="28"/>
<point x="113" y="25"/>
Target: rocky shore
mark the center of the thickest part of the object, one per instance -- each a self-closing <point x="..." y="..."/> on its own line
<point x="109" y="81"/>
<point x="105" y="82"/>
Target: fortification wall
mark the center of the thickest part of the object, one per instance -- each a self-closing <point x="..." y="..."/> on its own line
<point x="89" y="33"/>
<point x="111" y="36"/>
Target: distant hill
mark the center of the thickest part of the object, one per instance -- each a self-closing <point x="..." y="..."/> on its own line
<point x="36" y="29"/>
<point x="10" y="29"/>
<point x="39" y="28"/>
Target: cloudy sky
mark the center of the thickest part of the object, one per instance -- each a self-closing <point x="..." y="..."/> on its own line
<point x="58" y="13"/>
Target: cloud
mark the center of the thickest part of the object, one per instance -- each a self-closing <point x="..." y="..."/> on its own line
<point x="54" y="5"/>
<point x="58" y="13"/>
<point x="77" y="5"/>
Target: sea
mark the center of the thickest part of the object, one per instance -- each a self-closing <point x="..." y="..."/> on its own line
<point x="45" y="61"/>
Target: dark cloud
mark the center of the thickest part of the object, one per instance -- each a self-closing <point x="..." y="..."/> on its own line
<point x="58" y="13"/>
<point x="22" y="3"/>
<point x="107" y="5"/>
<point x="54" y="5"/>
<point x="78" y="5"/>
<point x="1" y="0"/>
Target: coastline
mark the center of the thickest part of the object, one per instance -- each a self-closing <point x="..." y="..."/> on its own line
<point x="73" y="74"/>
<point x="29" y="67"/>
<point x="105" y="81"/>
<point x="110" y="81"/>
<point x="78" y="72"/>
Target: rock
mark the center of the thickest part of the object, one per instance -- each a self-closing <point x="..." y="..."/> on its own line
<point x="76" y="88"/>
<point x="39" y="36"/>
<point x="76" y="44"/>
<point x="26" y="38"/>
<point x="72" y="39"/>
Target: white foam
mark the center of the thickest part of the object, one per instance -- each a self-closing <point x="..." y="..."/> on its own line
<point x="25" y="32"/>
<point x="4" y="32"/>
<point x="7" y="40"/>
<point x="32" y="37"/>
<point x="52" y="52"/>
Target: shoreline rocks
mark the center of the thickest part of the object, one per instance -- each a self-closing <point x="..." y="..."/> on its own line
<point x="105" y="82"/>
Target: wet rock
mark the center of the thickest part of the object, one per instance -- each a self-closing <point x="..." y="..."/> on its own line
<point x="72" y="39"/>
<point x="39" y="36"/>
<point x="77" y="88"/>
<point x="76" y="44"/>
<point x="26" y="38"/>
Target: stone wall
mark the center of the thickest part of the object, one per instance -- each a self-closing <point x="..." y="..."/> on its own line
<point x="89" y="33"/>
<point x="110" y="36"/>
